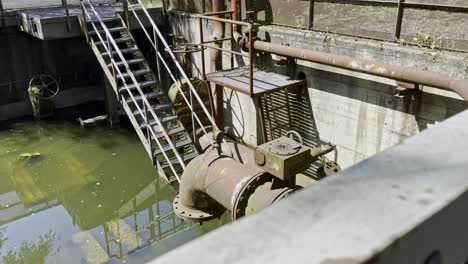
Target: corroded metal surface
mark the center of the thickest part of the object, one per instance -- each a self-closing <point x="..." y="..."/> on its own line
<point x="404" y="74"/>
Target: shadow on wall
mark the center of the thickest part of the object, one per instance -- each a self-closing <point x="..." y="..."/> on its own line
<point x="360" y="115"/>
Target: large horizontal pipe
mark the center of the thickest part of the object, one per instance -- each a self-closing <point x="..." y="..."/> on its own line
<point x="404" y="74"/>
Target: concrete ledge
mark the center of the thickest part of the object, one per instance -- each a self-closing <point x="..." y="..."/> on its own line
<point x="67" y="98"/>
<point x="405" y="205"/>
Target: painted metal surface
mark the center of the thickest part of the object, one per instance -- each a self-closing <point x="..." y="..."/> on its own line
<point x="404" y="205"/>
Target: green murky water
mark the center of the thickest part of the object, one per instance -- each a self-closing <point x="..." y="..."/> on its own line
<point x="90" y="197"/>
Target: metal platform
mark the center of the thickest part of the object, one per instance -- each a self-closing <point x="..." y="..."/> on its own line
<point x="263" y="81"/>
<point x="54" y="23"/>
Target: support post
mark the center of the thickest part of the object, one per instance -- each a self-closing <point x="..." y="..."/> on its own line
<point x="112" y="104"/>
<point x="401" y="9"/>
<point x="219" y="106"/>
<point x="67" y="13"/>
<point x="125" y="9"/>
<point x="202" y="49"/>
<point x="311" y="14"/>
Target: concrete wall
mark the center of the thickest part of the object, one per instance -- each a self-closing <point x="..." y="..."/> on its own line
<point x="360" y="113"/>
<point x="23" y="56"/>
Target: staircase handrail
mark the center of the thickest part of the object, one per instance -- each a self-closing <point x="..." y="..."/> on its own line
<point x="110" y="40"/>
<point x="153" y="41"/>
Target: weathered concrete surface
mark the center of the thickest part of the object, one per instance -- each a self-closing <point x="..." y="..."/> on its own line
<point x="402" y="205"/>
<point x="362" y="115"/>
<point x="358" y="112"/>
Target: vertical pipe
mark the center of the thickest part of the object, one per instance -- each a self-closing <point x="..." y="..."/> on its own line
<point x="401" y="9"/>
<point x="202" y="50"/>
<point x="311" y="14"/>
<point x="235" y="14"/>
<point x="216" y="60"/>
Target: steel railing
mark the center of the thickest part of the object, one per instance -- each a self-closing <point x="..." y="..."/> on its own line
<point x="153" y="38"/>
<point x="147" y="108"/>
<point x="203" y="44"/>
<point x="401" y="6"/>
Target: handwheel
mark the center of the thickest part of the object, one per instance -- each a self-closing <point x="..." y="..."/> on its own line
<point x="47" y="85"/>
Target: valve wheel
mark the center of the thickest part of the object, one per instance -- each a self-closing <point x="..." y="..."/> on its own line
<point x="48" y="86"/>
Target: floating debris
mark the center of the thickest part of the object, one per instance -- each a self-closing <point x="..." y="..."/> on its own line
<point x="30" y="156"/>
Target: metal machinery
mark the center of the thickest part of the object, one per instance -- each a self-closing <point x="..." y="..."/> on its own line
<point x="215" y="174"/>
<point x="244" y="183"/>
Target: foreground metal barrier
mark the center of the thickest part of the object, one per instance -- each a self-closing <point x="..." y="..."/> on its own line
<point x="405" y="205"/>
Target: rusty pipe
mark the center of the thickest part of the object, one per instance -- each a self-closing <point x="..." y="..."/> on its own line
<point x="235" y="8"/>
<point x="218" y="33"/>
<point x="404" y="74"/>
<point x="212" y="183"/>
<point x="216" y="60"/>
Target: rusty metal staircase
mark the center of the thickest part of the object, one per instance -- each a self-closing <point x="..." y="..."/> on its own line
<point x="148" y="107"/>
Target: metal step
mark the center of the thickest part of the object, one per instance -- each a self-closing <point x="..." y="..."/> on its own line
<point x="171" y="131"/>
<point x="129" y="62"/>
<point x="123" y="51"/>
<point x="111" y="30"/>
<point x="156" y="108"/>
<point x="136" y="73"/>
<point x="133" y="86"/>
<point x="185" y="158"/>
<point x="163" y="120"/>
<point x="117" y="41"/>
<point x="178" y="144"/>
<point x="148" y="96"/>
<point x="105" y="20"/>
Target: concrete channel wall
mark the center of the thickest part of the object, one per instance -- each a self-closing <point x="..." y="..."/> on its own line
<point x="362" y="114"/>
<point x="23" y="56"/>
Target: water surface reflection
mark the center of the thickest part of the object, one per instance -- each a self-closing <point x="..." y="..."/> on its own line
<point x="90" y="197"/>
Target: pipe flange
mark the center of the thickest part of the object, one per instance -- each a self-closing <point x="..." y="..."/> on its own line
<point x="192" y="214"/>
<point x="247" y="190"/>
